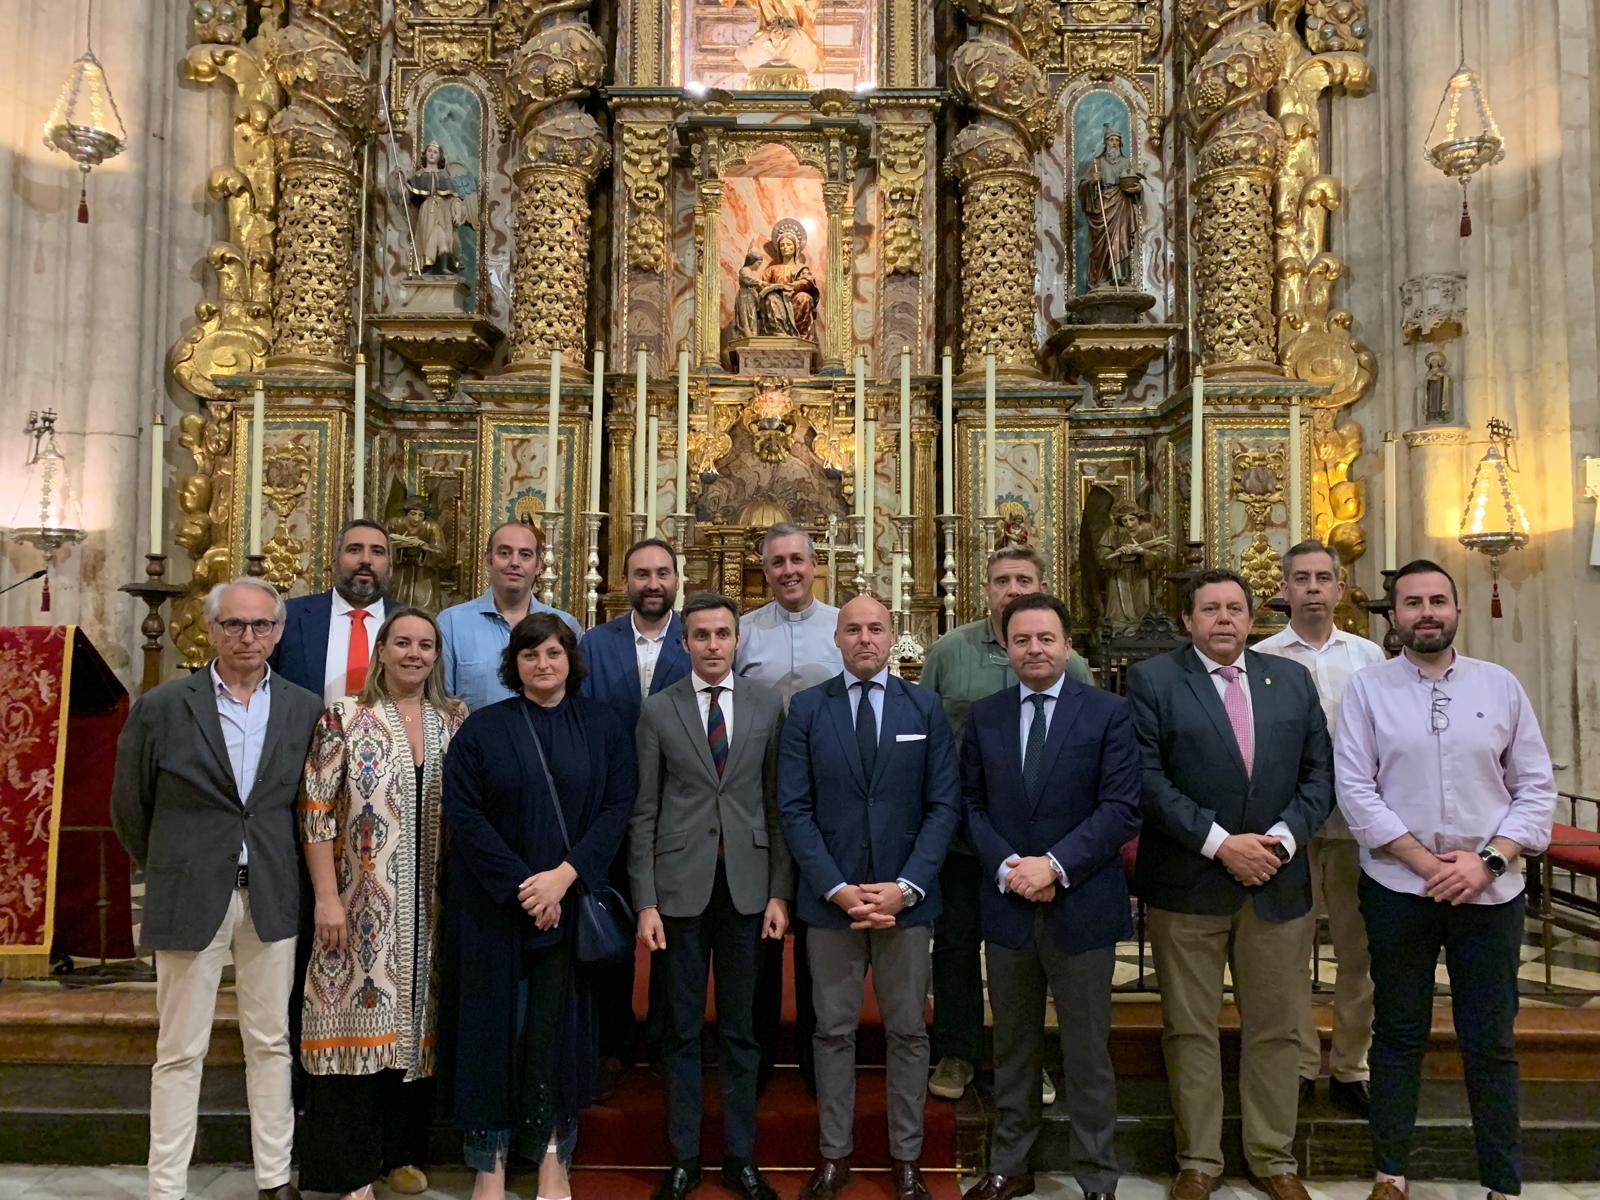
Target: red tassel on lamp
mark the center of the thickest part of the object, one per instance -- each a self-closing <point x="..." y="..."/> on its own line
<point x="1470" y="139"/>
<point x="44" y="596"/>
<point x="85" y="124"/>
<point x="1466" y="215"/>
<point x="1494" y="521"/>
<point x="83" y="203"/>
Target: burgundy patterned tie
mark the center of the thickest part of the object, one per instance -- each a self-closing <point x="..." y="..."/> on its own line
<point x="1238" y="707"/>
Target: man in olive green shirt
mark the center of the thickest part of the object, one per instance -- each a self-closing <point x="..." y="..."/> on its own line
<point x="964" y="666"/>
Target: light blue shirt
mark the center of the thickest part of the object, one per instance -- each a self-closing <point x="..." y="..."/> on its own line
<point x="475" y="640"/>
<point x="788" y="651"/>
<point x="244" y="733"/>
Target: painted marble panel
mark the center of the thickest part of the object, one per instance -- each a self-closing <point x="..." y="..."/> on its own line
<point x="1029" y="493"/>
<point x="517" y="483"/>
<point x="836" y="44"/>
<point x="680" y="310"/>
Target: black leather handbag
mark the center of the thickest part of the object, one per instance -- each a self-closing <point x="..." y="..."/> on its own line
<point x="605" y="923"/>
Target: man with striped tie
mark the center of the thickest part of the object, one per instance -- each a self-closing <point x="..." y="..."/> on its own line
<point x="711" y="876"/>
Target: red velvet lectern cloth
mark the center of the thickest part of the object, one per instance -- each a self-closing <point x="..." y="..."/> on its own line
<point x="61" y="709"/>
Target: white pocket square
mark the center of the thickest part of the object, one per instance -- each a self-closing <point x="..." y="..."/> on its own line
<point x="910" y="737"/>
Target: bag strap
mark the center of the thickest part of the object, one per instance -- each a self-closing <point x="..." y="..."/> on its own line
<point x="550" y="782"/>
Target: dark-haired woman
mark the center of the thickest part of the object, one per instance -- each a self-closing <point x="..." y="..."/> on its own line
<point x="517" y="1023"/>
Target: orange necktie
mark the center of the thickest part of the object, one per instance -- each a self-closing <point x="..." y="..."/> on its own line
<point x="355" y="663"/>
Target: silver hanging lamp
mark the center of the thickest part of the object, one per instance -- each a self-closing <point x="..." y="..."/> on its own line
<point x="85" y="124"/>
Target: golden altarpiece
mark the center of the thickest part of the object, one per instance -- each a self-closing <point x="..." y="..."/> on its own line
<point x="1102" y="195"/>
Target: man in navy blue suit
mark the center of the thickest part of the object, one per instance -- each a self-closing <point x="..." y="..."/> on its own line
<point x="319" y="649"/>
<point x="869" y="795"/>
<point x="630" y="657"/>
<point x="1050" y="778"/>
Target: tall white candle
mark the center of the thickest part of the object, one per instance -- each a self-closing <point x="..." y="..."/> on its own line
<point x="988" y="435"/>
<point x="1391" y="505"/>
<point x="947" y="426"/>
<point x="641" y="409"/>
<point x="860" y="433"/>
<point x="651" y="450"/>
<point x="597" y="425"/>
<point x="905" y="437"/>
<point x="1197" y="439"/>
<point x="681" y="501"/>
<point x="1296" y="475"/>
<point x="869" y="451"/>
<point x="552" y="468"/>
<point x="158" y="462"/>
<point x="358" y="491"/>
<point x="258" y="434"/>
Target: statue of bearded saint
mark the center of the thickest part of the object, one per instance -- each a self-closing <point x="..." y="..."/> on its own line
<point x="1109" y="189"/>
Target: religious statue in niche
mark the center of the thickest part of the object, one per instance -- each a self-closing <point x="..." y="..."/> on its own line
<point x="1110" y="191"/>
<point x="1437" y="406"/>
<point x="438" y="191"/>
<point x="780" y="299"/>
<point x="786" y="47"/>
<point x="419" y="551"/>
<point x="1130" y="551"/>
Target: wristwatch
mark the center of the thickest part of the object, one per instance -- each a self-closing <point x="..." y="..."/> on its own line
<point x="1494" y="860"/>
<point x="908" y="894"/>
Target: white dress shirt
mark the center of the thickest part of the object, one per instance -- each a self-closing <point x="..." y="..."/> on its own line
<point x="875" y="698"/>
<point x="647" y="651"/>
<point x="702" y="695"/>
<point x="1331" y="665"/>
<point x="1025" y="723"/>
<point x="334" y="684"/>
<point x="1218" y="834"/>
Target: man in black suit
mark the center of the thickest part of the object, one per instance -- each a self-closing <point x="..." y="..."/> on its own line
<point x="1237" y="778"/>
<point x="208" y="771"/>
<point x="1050" y="778"/>
<point x="328" y="637"/>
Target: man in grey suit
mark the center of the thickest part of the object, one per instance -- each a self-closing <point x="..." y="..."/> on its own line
<point x="1237" y="777"/>
<point x="208" y="770"/>
<point x="711" y="876"/>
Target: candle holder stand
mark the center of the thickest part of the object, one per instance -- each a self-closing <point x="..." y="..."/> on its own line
<point x="830" y="559"/>
<point x="1194" y="560"/>
<point x="591" y="575"/>
<point x="635" y="527"/>
<point x="682" y="525"/>
<point x="949" y="527"/>
<point x="549" y="578"/>
<point x="906" y="648"/>
<point x="255" y="565"/>
<point x="1383" y="606"/>
<point x="858" y="543"/>
<point x="155" y="591"/>
<point x="991" y="532"/>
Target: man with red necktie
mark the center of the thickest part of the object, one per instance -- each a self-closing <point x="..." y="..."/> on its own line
<point x="328" y="637"/>
<point x="1237" y="777"/>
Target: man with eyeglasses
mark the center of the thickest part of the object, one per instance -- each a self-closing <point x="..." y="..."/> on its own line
<point x="1444" y="778"/>
<point x="208" y="770"/>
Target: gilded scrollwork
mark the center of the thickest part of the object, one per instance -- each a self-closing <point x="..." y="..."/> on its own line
<point x="1256" y="482"/>
<point x="559" y="63"/>
<point x="203" y="504"/>
<point x="999" y="82"/>
<point x="644" y="172"/>
<point x="902" y="167"/>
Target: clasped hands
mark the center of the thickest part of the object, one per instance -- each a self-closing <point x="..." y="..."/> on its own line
<point x="541" y="895"/>
<point x="1033" y="878"/>
<point x="1457" y="878"/>
<point x="653" y="933"/>
<point x="1249" y="857"/>
<point x="870" y="905"/>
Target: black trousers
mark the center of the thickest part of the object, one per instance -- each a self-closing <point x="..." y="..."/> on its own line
<point x="769" y="1000"/>
<point x="1482" y="946"/>
<point x="358" y="1128"/>
<point x="727" y="938"/>
<point x="957" y="969"/>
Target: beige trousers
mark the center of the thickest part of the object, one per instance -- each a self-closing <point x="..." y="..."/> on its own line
<point x="186" y="1003"/>
<point x="1335" y="872"/>
<point x="1267" y="960"/>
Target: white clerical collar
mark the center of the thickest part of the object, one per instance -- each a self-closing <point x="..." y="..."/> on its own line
<point x="805" y="614"/>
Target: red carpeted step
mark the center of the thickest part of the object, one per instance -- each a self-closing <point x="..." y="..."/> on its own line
<point x="594" y="1184"/>
<point x="631" y="1130"/>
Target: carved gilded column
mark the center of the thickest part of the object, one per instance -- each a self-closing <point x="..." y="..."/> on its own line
<point x="1235" y="59"/>
<point x="992" y="160"/>
<point x="563" y="149"/>
<point x="707" y="276"/>
<point x="839" y="336"/>
<point x="314" y="140"/>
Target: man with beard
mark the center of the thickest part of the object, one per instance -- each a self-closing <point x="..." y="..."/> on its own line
<point x="477" y="633"/>
<point x="1444" y="778"/>
<point x="787" y="644"/>
<point x="1312" y="586"/>
<point x="629" y="658"/>
<point x="328" y="638"/>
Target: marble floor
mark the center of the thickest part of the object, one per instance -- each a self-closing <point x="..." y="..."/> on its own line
<point x="229" y="1183"/>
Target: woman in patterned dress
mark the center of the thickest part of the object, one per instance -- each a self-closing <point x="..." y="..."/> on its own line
<point x="370" y="819"/>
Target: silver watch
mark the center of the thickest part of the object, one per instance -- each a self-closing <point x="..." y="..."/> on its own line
<point x="908" y="894"/>
<point x="1494" y="861"/>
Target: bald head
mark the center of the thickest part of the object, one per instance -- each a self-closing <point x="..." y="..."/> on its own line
<point x="863" y="636"/>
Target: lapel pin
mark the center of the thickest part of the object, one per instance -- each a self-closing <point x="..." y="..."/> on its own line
<point x="1269" y="680"/>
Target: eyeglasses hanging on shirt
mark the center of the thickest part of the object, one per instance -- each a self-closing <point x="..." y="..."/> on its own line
<point x="1438" y="718"/>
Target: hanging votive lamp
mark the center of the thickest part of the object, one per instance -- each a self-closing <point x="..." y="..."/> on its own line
<point x="1494" y="520"/>
<point x="85" y="124"/>
<point x="47" y="517"/>
<point x="1470" y="139"/>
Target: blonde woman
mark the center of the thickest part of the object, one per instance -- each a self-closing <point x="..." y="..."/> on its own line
<point x="370" y="820"/>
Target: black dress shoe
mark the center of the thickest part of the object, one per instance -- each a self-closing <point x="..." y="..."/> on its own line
<point x="679" y="1182"/>
<point x="907" y="1176"/>
<point x="830" y="1178"/>
<point x="1099" y="1196"/>
<point x="1001" y="1187"/>
<point x="284" y="1191"/>
<point x="1308" y="1090"/>
<point x="1354" y="1096"/>
<point x="742" y="1179"/>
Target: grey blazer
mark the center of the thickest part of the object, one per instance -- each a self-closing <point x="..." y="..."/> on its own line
<point x="177" y="811"/>
<point x="684" y="810"/>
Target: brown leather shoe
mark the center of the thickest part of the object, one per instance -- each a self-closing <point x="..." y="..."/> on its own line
<point x="1193" y="1185"/>
<point x="1283" y="1186"/>
<point x="828" y="1180"/>
<point x="908" y="1183"/>
<point x="1384" y="1190"/>
<point x="1001" y="1187"/>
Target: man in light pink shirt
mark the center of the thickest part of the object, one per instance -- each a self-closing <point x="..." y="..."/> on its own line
<point x="1445" y="781"/>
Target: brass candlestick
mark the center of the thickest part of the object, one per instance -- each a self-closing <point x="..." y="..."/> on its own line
<point x="949" y="525"/>
<point x="591" y="576"/>
<point x="255" y="564"/>
<point x="550" y="522"/>
<point x="155" y="591"/>
<point x="1383" y="606"/>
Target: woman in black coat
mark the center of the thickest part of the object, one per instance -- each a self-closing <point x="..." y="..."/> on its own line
<point x="518" y="1050"/>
